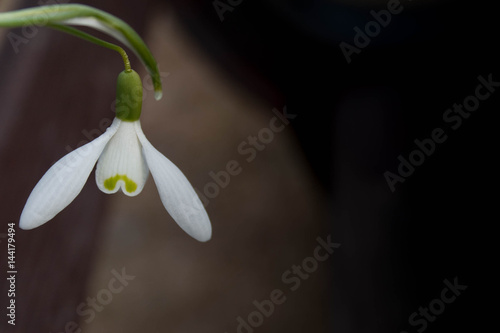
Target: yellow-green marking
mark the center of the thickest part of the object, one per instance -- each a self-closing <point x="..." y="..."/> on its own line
<point x="130" y="185"/>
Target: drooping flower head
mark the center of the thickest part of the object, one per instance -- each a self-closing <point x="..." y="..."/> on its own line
<point x="123" y="155"/>
<point x="124" y="159"/>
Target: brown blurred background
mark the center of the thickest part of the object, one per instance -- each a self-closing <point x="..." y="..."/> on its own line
<point x="224" y="80"/>
<point x="259" y="228"/>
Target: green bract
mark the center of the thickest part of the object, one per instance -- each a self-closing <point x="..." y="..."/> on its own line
<point x="128" y="96"/>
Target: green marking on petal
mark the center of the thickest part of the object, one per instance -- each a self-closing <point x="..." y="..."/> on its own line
<point x="130" y="185"/>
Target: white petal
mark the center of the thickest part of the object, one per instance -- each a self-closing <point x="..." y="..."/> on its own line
<point x="121" y="164"/>
<point x="176" y="193"/>
<point x="63" y="181"/>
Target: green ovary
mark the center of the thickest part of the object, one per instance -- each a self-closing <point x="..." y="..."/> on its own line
<point x="130" y="185"/>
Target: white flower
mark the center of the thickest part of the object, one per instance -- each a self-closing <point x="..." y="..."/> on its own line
<point x="124" y="158"/>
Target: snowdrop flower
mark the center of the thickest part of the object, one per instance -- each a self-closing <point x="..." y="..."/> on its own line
<point x="124" y="159"/>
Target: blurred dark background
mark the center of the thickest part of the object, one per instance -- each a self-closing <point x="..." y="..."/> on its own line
<point x="325" y="175"/>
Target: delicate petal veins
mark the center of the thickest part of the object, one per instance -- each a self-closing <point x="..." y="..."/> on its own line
<point x="63" y="181"/>
<point x="121" y="164"/>
<point x="176" y="193"/>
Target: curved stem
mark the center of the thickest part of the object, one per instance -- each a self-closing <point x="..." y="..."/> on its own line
<point x="95" y="40"/>
<point x="82" y="15"/>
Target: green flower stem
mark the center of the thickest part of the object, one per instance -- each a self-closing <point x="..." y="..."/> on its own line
<point x="53" y="15"/>
<point x="95" y="40"/>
